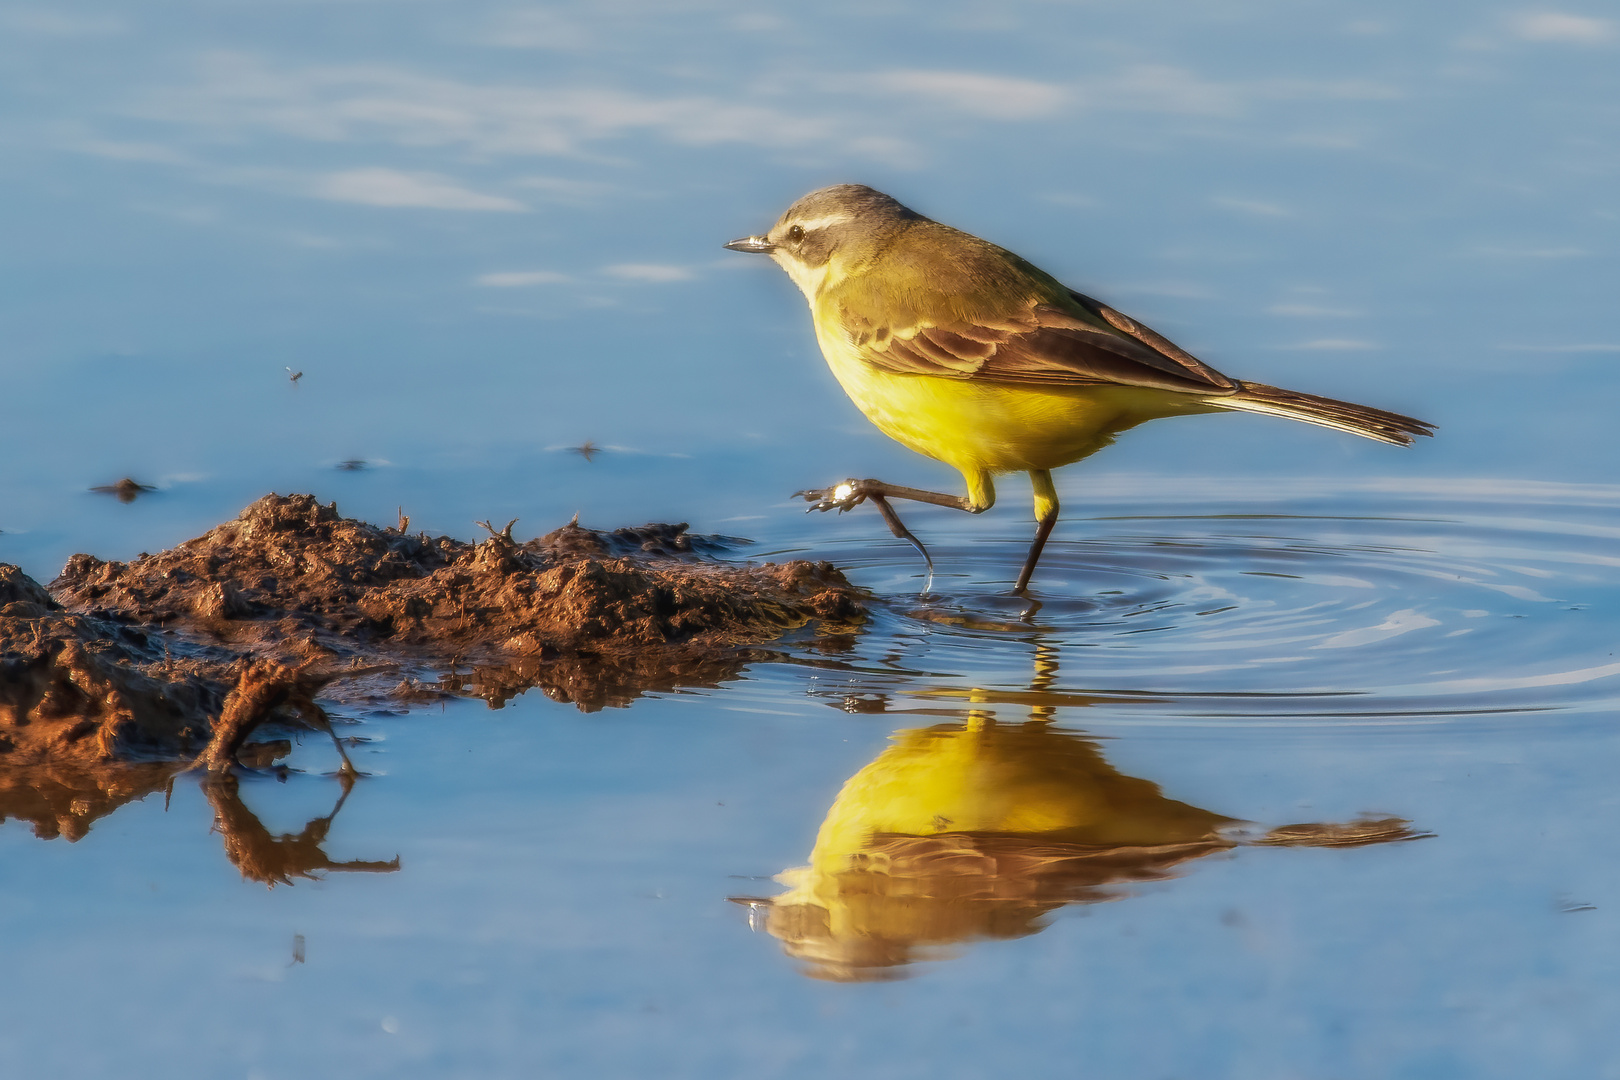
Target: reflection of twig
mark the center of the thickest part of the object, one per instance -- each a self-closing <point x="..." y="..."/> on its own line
<point x="276" y="860"/>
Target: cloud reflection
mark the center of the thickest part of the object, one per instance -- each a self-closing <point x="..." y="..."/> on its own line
<point x="390" y="187"/>
<point x="1559" y="26"/>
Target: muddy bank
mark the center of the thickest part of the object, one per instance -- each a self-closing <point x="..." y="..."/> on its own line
<point x="77" y="689"/>
<point x="188" y="651"/>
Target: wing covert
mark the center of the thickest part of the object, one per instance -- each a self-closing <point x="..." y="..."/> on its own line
<point x="1045" y="346"/>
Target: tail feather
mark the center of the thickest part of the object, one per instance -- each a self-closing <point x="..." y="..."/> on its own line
<point x="1341" y="415"/>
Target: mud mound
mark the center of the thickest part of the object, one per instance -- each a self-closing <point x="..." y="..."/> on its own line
<point x="292" y="576"/>
<point x="76" y="689"/>
<point x="193" y="648"/>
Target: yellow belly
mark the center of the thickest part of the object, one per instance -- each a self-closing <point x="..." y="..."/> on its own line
<point x="997" y="427"/>
<point x="983" y="777"/>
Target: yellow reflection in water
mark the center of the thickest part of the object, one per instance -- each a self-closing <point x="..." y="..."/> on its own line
<point x="976" y="829"/>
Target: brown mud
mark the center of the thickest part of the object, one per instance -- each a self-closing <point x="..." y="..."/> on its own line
<point x="116" y="669"/>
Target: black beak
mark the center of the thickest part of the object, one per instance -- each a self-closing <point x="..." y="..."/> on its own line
<point x="756" y="244"/>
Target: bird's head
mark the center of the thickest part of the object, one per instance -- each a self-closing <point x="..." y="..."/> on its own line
<point x="840" y="227"/>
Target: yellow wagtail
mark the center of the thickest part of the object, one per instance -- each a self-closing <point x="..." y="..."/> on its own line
<point x="964" y="352"/>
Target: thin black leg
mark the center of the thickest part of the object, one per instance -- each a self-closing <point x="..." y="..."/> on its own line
<point x="1042" y="531"/>
<point x="1046" y="513"/>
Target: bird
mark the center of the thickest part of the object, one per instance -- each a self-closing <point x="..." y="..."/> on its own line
<point x="964" y="352"/>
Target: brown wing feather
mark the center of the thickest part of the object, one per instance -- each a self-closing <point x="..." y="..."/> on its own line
<point x="1048" y="347"/>
<point x="964" y="343"/>
<point x="1153" y="340"/>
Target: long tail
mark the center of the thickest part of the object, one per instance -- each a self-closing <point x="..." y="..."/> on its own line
<point x="1341" y="415"/>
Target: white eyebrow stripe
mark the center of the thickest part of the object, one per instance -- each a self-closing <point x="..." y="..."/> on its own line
<point x="811" y="224"/>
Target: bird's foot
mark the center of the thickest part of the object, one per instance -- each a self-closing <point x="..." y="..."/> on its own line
<point x="845" y="496"/>
<point x="851" y="493"/>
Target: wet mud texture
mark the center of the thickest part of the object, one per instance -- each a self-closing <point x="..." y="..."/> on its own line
<point x="183" y="654"/>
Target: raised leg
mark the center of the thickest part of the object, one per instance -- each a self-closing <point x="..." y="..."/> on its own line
<point x="1046" y="514"/>
<point x="851" y="493"/>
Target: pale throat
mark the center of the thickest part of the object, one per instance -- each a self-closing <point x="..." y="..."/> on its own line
<point x="809" y="279"/>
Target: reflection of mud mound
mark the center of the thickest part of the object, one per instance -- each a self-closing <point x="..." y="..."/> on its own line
<point x="256" y="616"/>
<point x="594" y="683"/>
<point x="65" y="800"/>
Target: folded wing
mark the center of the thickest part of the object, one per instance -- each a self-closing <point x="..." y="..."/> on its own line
<point x="1046" y="345"/>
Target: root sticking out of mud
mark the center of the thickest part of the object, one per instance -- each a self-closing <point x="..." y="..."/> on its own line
<point x="184" y="654"/>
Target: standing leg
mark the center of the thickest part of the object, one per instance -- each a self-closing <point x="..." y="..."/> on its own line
<point x="1046" y="512"/>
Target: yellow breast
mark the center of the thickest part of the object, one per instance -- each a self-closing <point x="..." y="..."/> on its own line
<point x="987" y="778"/>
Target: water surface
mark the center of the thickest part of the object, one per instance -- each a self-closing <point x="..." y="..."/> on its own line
<point x="593" y="893"/>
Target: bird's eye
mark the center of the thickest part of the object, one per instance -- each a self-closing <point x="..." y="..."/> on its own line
<point x="796" y="233"/>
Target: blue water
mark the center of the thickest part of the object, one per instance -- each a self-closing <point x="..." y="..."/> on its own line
<point x="488" y="233"/>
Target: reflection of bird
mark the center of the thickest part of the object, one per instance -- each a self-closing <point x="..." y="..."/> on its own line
<point x="964" y="352"/>
<point x="976" y="829"/>
<point x="1007" y="780"/>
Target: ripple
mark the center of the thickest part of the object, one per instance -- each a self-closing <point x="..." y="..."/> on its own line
<point x="1381" y="606"/>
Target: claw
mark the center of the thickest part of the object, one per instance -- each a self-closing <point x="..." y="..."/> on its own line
<point x="851" y="493"/>
<point x="841" y="497"/>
